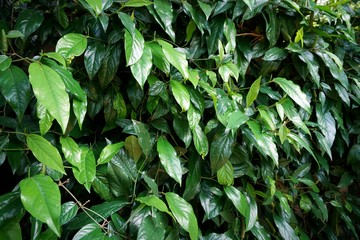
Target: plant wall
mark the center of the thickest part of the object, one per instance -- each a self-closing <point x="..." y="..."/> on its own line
<point x="204" y="119"/>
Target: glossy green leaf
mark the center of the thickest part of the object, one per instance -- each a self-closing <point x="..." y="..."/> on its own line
<point x="68" y="211"/>
<point x="275" y="54"/>
<point x="109" y="152"/>
<point x="206" y="8"/>
<point x="260" y="232"/>
<point x="159" y="59"/>
<point x="183" y="213"/>
<point x="128" y="23"/>
<point x="137" y="3"/>
<point x="302" y="142"/>
<point x="86" y="170"/>
<point x="41" y="198"/>
<point x="294" y="92"/>
<point x="143" y="137"/>
<point x="150" y="229"/>
<point x="221" y="149"/>
<point x="80" y="109"/>
<point x="286" y="231"/>
<point x="14" y="34"/>
<point x="165" y="12"/>
<point x="181" y="128"/>
<point x="301" y="171"/>
<point x="312" y="65"/>
<point x="236" y="119"/>
<point x="49" y="90"/>
<point x="169" y="159"/>
<point x="96" y="5"/>
<point x="45" y="118"/>
<point x="110" y="65"/>
<point x="29" y="21"/>
<point x="253" y="92"/>
<point x="176" y="58"/>
<point x="197" y="16"/>
<point x="294" y="116"/>
<point x="230" y="34"/>
<point x="5" y="62"/>
<point x="228" y="70"/>
<point x="57" y="57"/>
<point x="94" y="57"/>
<point x="320" y="205"/>
<point x="251" y="213"/>
<point x="71" y="151"/>
<point x="11" y="230"/>
<point x="193" y="179"/>
<point x="61" y="16"/>
<point x="15" y="87"/>
<point x="200" y="141"/>
<point x="238" y="199"/>
<point x="142" y="68"/>
<point x="71" y="45"/>
<point x="134" y="47"/>
<point x="225" y="174"/>
<point x="283" y="133"/>
<point x="181" y="94"/>
<point x="327" y="125"/>
<point x="46" y="153"/>
<point x="133" y="147"/>
<point x="89" y="231"/>
<point x="305" y="203"/>
<point x="156" y="202"/>
<point x="10" y="207"/>
<point x="310" y="184"/>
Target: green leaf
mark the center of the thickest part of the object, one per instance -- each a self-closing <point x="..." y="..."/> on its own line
<point x="310" y="184"/>
<point x="86" y="170"/>
<point x="295" y="93"/>
<point x="302" y="142"/>
<point x="45" y="118"/>
<point x="41" y="198"/>
<point x="251" y="213"/>
<point x="305" y="203"/>
<point x="11" y="230"/>
<point x="153" y="201"/>
<point x="15" y="87"/>
<point x="94" y="57"/>
<point x="312" y="65"/>
<point x="110" y="65"/>
<point x="196" y="16"/>
<point x="236" y="119"/>
<point x="142" y="68"/>
<point x="68" y="212"/>
<point x="206" y="8"/>
<point x="109" y="152"/>
<point x="260" y="232"/>
<point x="89" y="231"/>
<point x="137" y="3"/>
<point x="301" y="171"/>
<point x="169" y="159"/>
<point x="286" y="231"/>
<point x="321" y="206"/>
<point x="184" y="214"/>
<point x="46" y="153"/>
<point x="164" y="10"/>
<point x="71" y="151"/>
<point x="151" y="229"/>
<point x="80" y="109"/>
<point x="128" y="23"/>
<point x="225" y="174"/>
<point x="49" y="90"/>
<point x="283" y="133"/>
<point x="14" y="34"/>
<point x="96" y="5"/>
<point x="327" y="125"/>
<point x="200" y="141"/>
<point x="143" y="137"/>
<point x="5" y="62"/>
<point x="300" y="37"/>
<point x="61" y="16"/>
<point x="182" y="130"/>
<point x="193" y="179"/>
<point x="57" y="57"/>
<point x="181" y="94"/>
<point x="238" y="199"/>
<point x="159" y="59"/>
<point x="71" y="45"/>
<point x="134" y="47"/>
<point x="221" y="149"/>
<point x="253" y="92"/>
<point x="29" y="21"/>
<point x="10" y="207"/>
<point x="230" y="34"/>
<point x="133" y="147"/>
<point x="151" y="184"/>
<point x="228" y="69"/>
<point x="292" y="113"/>
<point x="275" y="54"/>
<point x="176" y="58"/>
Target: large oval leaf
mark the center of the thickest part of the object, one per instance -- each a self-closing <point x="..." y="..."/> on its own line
<point x="45" y="152"/>
<point x="29" y="21"/>
<point x="71" y="45"/>
<point x="41" y="198"/>
<point x="184" y="213"/>
<point x="169" y="159"/>
<point x="49" y="90"/>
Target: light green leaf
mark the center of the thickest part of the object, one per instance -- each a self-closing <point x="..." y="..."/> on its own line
<point x="181" y="94"/>
<point x="283" y="133"/>
<point x="292" y="113"/>
<point x="134" y="46"/>
<point x="71" y="151"/>
<point x="305" y="203"/>
<point x="206" y="8"/>
<point x="143" y="137"/>
<point x="96" y="5"/>
<point x="80" y="109"/>
<point x="49" y="90"/>
<point x="176" y="58"/>
<point x="137" y="3"/>
<point x="225" y="174"/>
<point x="86" y="170"/>
<point x="253" y="92"/>
<point x="15" y="87"/>
<point x="267" y="119"/>
<point x="260" y="232"/>
<point x="169" y="159"/>
<point x="228" y="69"/>
<point x="45" y="118"/>
<point x="310" y="184"/>
<point x="164" y="10"/>
<point x="46" y="153"/>
<point x="184" y="214"/>
<point x="295" y="93"/>
<point x="41" y="198"/>
<point x="300" y="37"/>
<point x="128" y="23"/>
<point x="142" y="68"/>
<point x="236" y="119"/>
<point x="159" y="59"/>
<point x="238" y="199"/>
<point x="71" y="45"/>
<point x="14" y="34"/>
<point x="200" y="141"/>
<point x="109" y="152"/>
<point x="57" y="57"/>
<point x="286" y="231"/>
<point x="154" y="201"/>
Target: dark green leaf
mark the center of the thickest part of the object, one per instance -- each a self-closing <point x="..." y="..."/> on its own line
<point x="305" y="203"/>
<point x="260" y="232"/>
<point x="5" y="62"/>
<point x="89" y="231"/>
<point x="150" y="230"/>
<point x="200" y="141"/>
<point x="165" y="12"/>
<point x="221" y="149"/>
<point x="68" y="212"/>
<point x="275" y="54"/>
<point x="110" y="65"/>
<point x="10" y="207"/>
<point x="143" y="137"/>
<point x="142" y="68"/>
<point x="94" y="57"/>
<point x="193" y="179"/>
<point x="159" y="59"/>
<point x="181" y="128"/>
<point x="286" y="231"/>
<point x="238" y="199"/>
<point x="29" y="21"/>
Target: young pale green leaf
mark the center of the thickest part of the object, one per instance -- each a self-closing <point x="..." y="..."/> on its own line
<point x="286" y="231"/>
<point x="225" y="174"/>
<point x="109" y="152"/>
<point x="221" y="149"/>
<point x="228" y="69"/>
<point x="57" y="57"/>
<point x="40" y="196"/>
<point x="300" y="36"/>
<point x="96" y="5"/>
<point x="29" y="21"/>
<point x="46" y="153"/>
<point x="49" y="90"/>
<point x="154" y="201"/>
<point x="134" y="47"/>
<point x="275" y="54"/>
<point x="5" y="62"/>
<point x="94" y="57"/>
<point x="169" y="159"/>
<point x="143" y="137"/>
<point x="137" y="3"/>
<point x="253" y="92"/>
<point x="142" y="68"/>
<point x="238" y="199"/>
<point x="181" y="94"/>
<point x="71" y="151"/>
<point x="164" y="10"/>
<point x="283" y="133"/>
<point x="236" y="119"/>
<point x="15" y="87"/>
<point x="295" y="93"/>
<point x="71" y="45"/>
<point x="184" y="214"/>
<point x="86" y="170"/>
<point x="68" y="212"/>
<point x="45" y="118"/>
<point x="200" y="141"/>
<point x="176" y="58"/>
<point x="305" y="203"/>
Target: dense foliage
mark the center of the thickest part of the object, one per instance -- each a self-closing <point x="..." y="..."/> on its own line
<point x="234" y="119"/>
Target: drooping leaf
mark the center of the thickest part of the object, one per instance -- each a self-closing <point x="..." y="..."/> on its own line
<point x="159" y="59"/>
<point x="181" y="128"/>
<point x="86" y="170"/>
<point x="15" y="87"/>
<point x="41" y="198"/>
<point x="110" y="65"/>
<point x="5" y="62"/>
<point x="68" y="212"/>
<point x="228" y="70"/>
<point x="143" y="137"/>
<point x="10" y="207"/>
<point x="200" y="141"/>
<point x="181" y="94"/>
<point x="238" y="199"/>
<point x="294" y="92"/>
<point x="142" y="68"/>
<point x="46" y="153"/>
<point x="109" y="152"/>
<point x="165" y="12"/>
<point x="45" y="118"/>
<point x="156" y="202"/>
<point x="169" y="159"/>
<point x="253" y="92"/>
<point x="94" y="57"/>
<point x="183" y="213"/>
<point x="71" y="45"/>
<point x="225" y="174"/>
<point x="134" y="47"/>
<point x="221" y="149"/>
<point x="49" y="90"/>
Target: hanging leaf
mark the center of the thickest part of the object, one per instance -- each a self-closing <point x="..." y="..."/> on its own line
<point x="41" y="198"/>
<point x="94" y="57"/>
<point x="133" y="148"/>
<point x="86" y="170"/>
<point x="71" y="45"/>
<point x="156" y="202"/>
<point x="134" y="47"/>
<point x="225" y="174"/>
<point x="143" y="137"/>
<point x="15" y="87"/>
<point x="169" y="159"/>
<point x="109" y="152"/>
<point x="253" y="92"/>
<point x="200" y="141"/>
<point x="80" y="109"/>
<point x="68" y="212"/>
<point x="294" y="92"/>
<point x="45" y="118"/>
<point x="221" y="149"/>
<point x="159" y="59"/>
<point x="181" y="94"/>
<point x="110" y="65"/>
<point x="181" y="128"/>
<point x="228" y="69"/>
<point x="46" y="153"/>
<point x="96" y="5"/>
<point x="49" y="90"/>
<point x="184" y="214"/>
<point x="142" y="68"/>
<point x="238" y="199"/>
<point x="165" y="11"/>
<point x="286" y="231"/>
